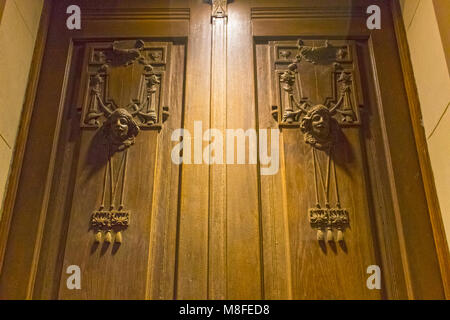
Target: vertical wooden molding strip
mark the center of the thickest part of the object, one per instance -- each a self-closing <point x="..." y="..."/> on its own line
<point x="217" y="260"/>
<point x="22" y="136"/>
<point x="422" y="149"/>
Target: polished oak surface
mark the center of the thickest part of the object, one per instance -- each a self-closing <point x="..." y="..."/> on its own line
<point x="198" y="231"/>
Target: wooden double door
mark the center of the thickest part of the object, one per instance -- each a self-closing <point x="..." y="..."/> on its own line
<point x="327" y="190"/>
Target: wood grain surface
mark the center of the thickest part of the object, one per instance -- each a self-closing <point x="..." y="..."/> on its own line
<point x="221" y="231"/>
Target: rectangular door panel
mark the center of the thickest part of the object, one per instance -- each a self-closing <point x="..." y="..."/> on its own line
<point x="127" y="98"/>
<point x="311" y="90"/>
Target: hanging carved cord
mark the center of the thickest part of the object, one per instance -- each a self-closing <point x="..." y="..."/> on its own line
<point x="112" y="219"/>
<point x="325" y="217"/>
<point x="120" y="131"/>
<point x="320" y="130"/>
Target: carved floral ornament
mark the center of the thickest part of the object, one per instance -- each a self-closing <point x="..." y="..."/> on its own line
<point x="320" y="124"/>
<point x="120" y="121"/>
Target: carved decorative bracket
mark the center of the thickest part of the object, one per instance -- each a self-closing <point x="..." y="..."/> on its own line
<point x="219" y="8"/>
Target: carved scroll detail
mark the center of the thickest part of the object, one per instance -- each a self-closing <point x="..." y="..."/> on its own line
<point x="124" y="58"/>
<point x="324" y="55"/>
<point x="293" y="101"/>
<point x="347" y="109"/>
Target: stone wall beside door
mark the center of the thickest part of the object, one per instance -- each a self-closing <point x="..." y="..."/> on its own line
<point x="19" y="24"/>
<point x="426" y="42"/>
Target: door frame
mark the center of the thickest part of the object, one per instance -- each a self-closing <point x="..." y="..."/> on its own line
<point x="24" y="127"/>
<point x="7" y="220"/>
<point x="422" y="147"/>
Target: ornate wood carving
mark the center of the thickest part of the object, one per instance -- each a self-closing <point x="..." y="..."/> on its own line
<point x="219" y="8"/>
<point x="319" y="115"/>
<point x="126" y="92"/>
<point x="130" y="75"/>
<point x="119" y="131"/>
<point x="294" y="62"/>
<point x="323" y="216"/>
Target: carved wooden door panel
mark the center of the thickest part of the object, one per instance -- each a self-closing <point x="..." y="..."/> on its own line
<point x="125" y="93"/>
<point x="100" y="189"/>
